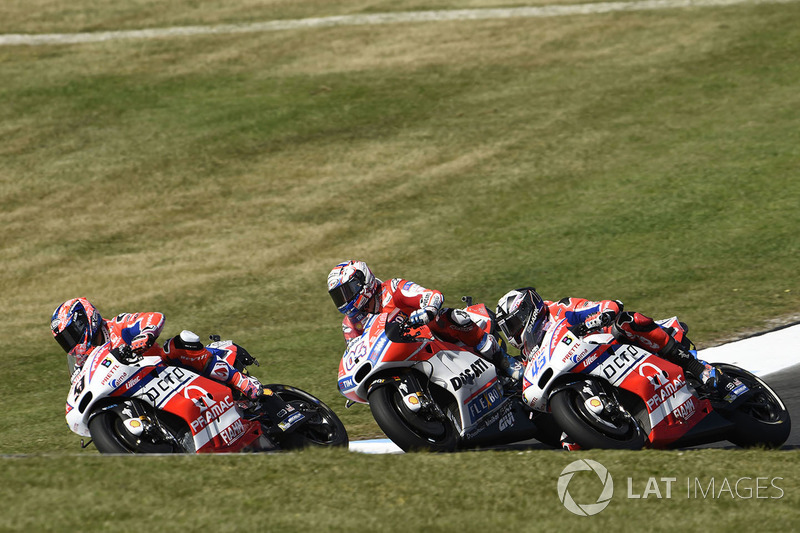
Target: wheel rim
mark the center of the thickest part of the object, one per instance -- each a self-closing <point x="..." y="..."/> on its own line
<point x="763" y="404"/>
<point x="617" y="428"/>
<point x="319" y="427"/>
<point x="127" y="440"/>
<point x="422" y="423"/>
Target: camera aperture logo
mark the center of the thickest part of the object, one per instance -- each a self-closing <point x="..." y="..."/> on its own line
<point x="586" y="509"/>
<point x="744" y="488"/>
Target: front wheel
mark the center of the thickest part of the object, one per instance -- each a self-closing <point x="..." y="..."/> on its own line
<point x="321" y="428"/>
<point x="421" y="430"/>
<point x="119" y="430"/>
<point x="594" y="430"/>
<point x="762" y="419"/>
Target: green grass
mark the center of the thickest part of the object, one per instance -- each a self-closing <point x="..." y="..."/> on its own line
<point x="323" y="490"/>
<point x="650" y="157"/>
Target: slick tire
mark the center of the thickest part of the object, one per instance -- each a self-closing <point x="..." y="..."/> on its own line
<point x="761" y="420"/>
<point x="409" y="430"/>
<point x="573" y="421"/>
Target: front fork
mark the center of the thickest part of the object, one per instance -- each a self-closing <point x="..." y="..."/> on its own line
<point x="601" y="403"/>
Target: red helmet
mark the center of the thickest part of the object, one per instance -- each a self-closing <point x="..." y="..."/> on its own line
<point x="75" y="324"/>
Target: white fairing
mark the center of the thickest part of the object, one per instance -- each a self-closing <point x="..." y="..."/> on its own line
<point x="560" y="357"/>
<point x="471" y="379"/>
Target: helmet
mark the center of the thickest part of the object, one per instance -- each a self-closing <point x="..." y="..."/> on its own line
<point x="75" y="324"/>
<point x="351" y="285"/>
<point x="521" y="316"/>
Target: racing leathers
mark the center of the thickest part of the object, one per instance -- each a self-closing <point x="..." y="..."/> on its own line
<point x="424" y="306"/>
<point x="630" y="327"/>
<point x="140" y="331"/>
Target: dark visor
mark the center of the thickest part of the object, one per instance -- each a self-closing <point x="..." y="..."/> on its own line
<point x="513" y="325"/>
<point x="346" y="292"/>
<point x="72" y="335"/>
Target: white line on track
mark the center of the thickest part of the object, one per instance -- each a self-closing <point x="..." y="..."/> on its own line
<point x="372" y="19"/>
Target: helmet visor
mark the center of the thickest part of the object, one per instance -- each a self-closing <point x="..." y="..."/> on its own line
<point x="72" y="335"/>
<point x="513" y="325"/>
<point x="346" y="292"/>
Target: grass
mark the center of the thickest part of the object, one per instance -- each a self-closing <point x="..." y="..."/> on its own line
<point x="323" y="490"/>
<point x="650" y="157"/>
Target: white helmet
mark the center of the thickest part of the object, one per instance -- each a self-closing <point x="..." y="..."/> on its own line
<point x="352" y="285"/>
<point x="521" y="316"/>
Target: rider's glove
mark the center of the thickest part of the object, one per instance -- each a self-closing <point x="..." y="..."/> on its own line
<point x="599" y="321"/>
<point x="143" y="342"/>
<point x="250" y="387"/>
<point x="420" y="317"/>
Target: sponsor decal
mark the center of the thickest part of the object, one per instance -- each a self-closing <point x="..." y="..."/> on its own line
<point x="110" y="374"/>
<point x="469" y="374"/>
<point x="662" y="393"/>
<point x="654" y="375"/>
<point x="686" y="410"/>
<point x="213" y="412"/>
<point x="506" y="422"/>
<point x="132" y="382"/>
<point x="617" y="366"/>
<point x="346" y="383"/>
<point x="483" y="403"/>
<point x="588" y="361"/>
<point x="292" y="420"/>
<point x="232" y="432"/>
<point x="159" y="390"/>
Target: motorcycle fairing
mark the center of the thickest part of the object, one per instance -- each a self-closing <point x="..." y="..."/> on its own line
<point x="205" y="405"/>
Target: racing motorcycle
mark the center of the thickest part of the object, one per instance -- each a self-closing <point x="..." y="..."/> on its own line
<point x="605" y="394"/>
<point x="426" y="393"/>
<point x="132" y="404"/>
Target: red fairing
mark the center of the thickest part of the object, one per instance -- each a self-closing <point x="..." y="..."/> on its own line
<point x="208" y="408"/>
<point x="672" y="406"/>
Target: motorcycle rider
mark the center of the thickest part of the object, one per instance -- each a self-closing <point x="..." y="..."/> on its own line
<point x="357" y="293"/>
<point x="79" y="328"/>
<point x="524" y="317"/>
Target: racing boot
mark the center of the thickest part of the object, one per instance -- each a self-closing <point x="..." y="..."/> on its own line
<point x="568" y="445"/>
<point x="491" y="350"/>
<point x="711" y="377"/>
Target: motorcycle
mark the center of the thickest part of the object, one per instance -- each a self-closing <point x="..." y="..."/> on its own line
<point x="606" y="394"/>
<point x="133" y="404"/>
<point x="427" y="393"/>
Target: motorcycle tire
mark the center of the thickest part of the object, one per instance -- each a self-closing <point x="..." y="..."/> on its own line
<point x="321" y="428"/>
<point x="762" y="420"/>
<point x="566" y="406"/>
<point x="110" y="436"/>
<point x="409" y="430"/>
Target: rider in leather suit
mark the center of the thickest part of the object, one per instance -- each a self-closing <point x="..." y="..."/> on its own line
<point x="357" y="293"/>
<point x="78" y="328"/>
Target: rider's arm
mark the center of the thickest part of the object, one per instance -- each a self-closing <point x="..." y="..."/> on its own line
<point x="409" y="297"/>
<point x="351" y="329"/>
<point x="139" y="330"/>
<point x="578" y="310"/>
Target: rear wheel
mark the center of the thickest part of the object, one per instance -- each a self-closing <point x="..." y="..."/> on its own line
<point x="321" y="428"/>
<point x="762" y="419"/>
<point x="591" y="429"/>
<point x="424" y="429"/>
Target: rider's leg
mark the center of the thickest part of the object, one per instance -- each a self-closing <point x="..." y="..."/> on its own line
<point x="644" y="332"/>
<point x="455" y="325"/>
<point x="186" y="350"/>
